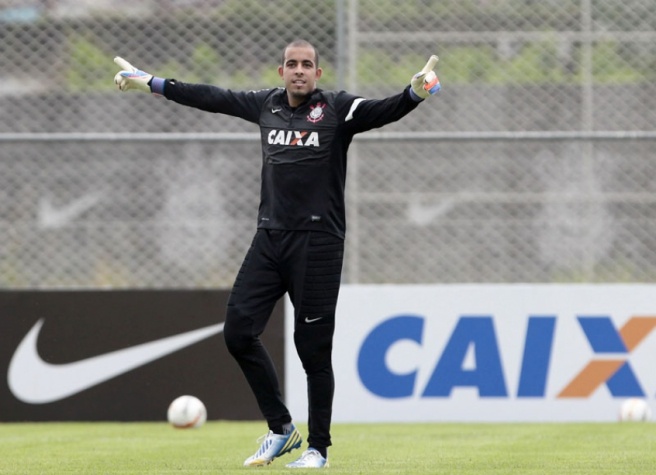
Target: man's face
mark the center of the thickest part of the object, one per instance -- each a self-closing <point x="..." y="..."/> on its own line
<point x="299" y="73"/>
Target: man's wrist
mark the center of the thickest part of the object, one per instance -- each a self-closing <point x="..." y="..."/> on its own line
<point x="157" y="85"/>
<point x="414" y="95"/>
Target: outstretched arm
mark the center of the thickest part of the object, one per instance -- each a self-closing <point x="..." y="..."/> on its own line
<point x="244" y="104"/>
<point x="366" y="114"/>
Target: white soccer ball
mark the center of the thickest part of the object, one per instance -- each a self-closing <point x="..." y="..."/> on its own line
<point x="186" y="412"/>
<point x="635" y="409"/>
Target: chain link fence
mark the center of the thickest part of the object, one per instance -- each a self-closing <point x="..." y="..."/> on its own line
<point x="535" y="164"/>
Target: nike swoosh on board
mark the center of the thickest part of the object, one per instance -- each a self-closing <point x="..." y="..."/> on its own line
<point x="422" y="215"/>
<point x="35" y="381"/>
<point x="51" y="217"/>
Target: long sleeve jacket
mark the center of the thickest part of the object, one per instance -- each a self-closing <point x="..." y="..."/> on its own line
<point x="304" y="149"/>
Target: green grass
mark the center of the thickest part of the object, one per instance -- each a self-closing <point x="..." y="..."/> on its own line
<point x="221" y="447"/>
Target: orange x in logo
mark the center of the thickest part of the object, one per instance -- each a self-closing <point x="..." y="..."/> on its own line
<point x="615" y="373"/>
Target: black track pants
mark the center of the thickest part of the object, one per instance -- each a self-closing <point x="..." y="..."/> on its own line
<point x="308" y="266"/>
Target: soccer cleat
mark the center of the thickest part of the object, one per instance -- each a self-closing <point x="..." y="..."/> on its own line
<point x="274" y="445"/>
<point x="311" y="458"/>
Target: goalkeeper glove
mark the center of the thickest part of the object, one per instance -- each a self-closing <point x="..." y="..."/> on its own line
<point x="131" y="77"/>
<point x="425" y="83"/>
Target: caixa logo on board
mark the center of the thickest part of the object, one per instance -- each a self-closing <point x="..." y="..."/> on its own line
<point x="609" y="364"/>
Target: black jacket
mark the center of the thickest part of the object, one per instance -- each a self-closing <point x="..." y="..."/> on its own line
<point x="303" y="148"/>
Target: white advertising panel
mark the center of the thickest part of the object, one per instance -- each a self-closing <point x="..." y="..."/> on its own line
<point x="486" y="353"/>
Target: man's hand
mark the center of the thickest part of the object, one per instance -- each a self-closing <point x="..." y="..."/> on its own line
<point x="425" y="83"/>
<point x="131" y="77"/>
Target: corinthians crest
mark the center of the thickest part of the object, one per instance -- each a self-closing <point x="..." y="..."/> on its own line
<point x="316" y="114"/>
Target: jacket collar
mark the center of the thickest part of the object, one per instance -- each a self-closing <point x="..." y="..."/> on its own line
<point x="280" y="99"/>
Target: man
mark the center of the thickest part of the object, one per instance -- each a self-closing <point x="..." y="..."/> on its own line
<point x="299" y="243"/>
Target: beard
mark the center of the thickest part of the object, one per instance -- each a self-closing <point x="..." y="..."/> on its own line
<point x="299" y="96"/>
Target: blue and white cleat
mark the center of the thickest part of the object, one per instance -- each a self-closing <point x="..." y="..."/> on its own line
<point x="274" y="445"/>
<point x="311" y="458"/>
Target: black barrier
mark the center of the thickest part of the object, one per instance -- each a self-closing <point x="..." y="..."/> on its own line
<point x="121" y="355"/>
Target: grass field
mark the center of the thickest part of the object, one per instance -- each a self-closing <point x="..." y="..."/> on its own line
<point x="221" y="447"/>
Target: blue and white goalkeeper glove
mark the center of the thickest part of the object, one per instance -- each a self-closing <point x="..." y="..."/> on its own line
<point x="425" y="83"/>
<point x="130" y="77"/>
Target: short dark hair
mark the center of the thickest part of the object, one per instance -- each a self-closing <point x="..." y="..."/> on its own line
<point x="301" y="43"/>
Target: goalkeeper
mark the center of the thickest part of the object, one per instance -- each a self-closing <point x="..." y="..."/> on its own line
<point x="299" y="242"/>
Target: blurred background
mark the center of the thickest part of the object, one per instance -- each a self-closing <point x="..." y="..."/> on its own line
<point x="534" y="164"/>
